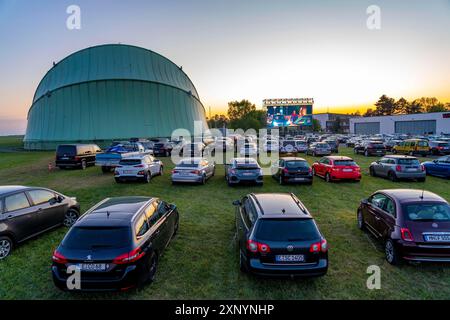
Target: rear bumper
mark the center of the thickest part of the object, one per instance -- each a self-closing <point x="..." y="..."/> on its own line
<point x="298" y="179"/>
<point x="411" y="175"/>
<point x="346" y="176"/>
<point x="238" y="180"/>
<point x="125" y="281"/>
<point x="187" y="179"/>
<point x="286" y="270"/>
<point x="425" y="252"/>
<point x="129" y="178"/>
<point x="64" y="163"/>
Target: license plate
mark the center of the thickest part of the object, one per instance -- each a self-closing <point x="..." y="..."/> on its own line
<point x="64" y="158"/>
<point x="247" y="174"/>
<point x="299" y="179"/>
<point x="379" y="151"/>
<point x="127" y="171"/>
<point x="411" y="170"/>
<point x="437" y="237"/>
<point x="347" y="170"/>
<point x="290" y="258"/>
<point x="94" y="267"/>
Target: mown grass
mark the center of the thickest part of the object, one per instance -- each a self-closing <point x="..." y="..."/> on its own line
<point x="201" y="262"/>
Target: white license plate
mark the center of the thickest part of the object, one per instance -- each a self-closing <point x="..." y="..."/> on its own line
<point x="411" y="170"/>
<point x="347" y="170"/>
<point x="184" y="173"/>
<point x="437" y="237"/>
<point x="290" y="258"/>
<point x="64" y="158"/>
<point x="94" y="267"/>
<point x="127" y="172"/>
<point x="299" y="179"/>
<point x="247" y="174"/>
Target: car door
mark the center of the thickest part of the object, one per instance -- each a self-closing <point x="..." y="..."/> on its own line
<point x="19" y="216"/>
<point x="49" y="212"/>
<point x="321" y="166"/>
<point x="380" y="167"/>
<point x="387" y="214"/>
<point x="152" y="165"/>
<point x="374" y="210"/>
<point x="166" y="223"/>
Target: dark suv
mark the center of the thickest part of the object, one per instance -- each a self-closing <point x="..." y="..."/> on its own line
<point x="277" y="236"/>
<point x="116" y="244"/>
<point x="412" y="224"/>
<point x="292" y="169"/>
<point x="370" y="148"/>
<point x="76" y="155"/>
<point x="26" y="212"/>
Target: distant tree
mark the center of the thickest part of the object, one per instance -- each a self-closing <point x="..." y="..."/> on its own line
<point x="316" y="125"/>
<point x="438" y="108"/>
<point x="414" y="107"/>
<point x="336" y="127"/>
<point x="401" y="106"/>
<point x="369" y="113"/>
<point x="218" y="121"/>
<point x="385" y="106"/>
<point x="239" y="109"/>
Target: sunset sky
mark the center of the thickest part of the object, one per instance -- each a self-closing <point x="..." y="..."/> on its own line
<point x="231" y="50"/>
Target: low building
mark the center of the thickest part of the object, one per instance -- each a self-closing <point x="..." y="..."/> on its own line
<point x="414" y="124"/>
<point x="328" y="122"/>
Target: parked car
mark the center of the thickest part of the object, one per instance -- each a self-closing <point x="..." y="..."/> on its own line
<point x="318" y="149"/>
<point x="118" y="151"/>
<point x="243" y="170"/>
<point x="194" y="149"/>
<point x="301" y="146"/>
<point x="414" y="225"/>
<point x="288" y="147"/>
<point x="439" y="167"/>
<point x="76" y="155"/>
<point x="138" y="168"/>
<point x="333" y="168"/>
<point x="116" y="244"/>
<point x="222" y="144"/>
<point x="397" y="167"/>
<point x="26" y="212"/>
<point x="334" y="145"/>
<point x="197" y="170"/>
<point x="291" y="169"/>
<point x="412" y="147"/>
<point x="277" y="236"/>
<point x="271" y="146"/>
<point x="391" y="144"/>
<point x="370" y="148"/>
<point x="249" y="150"/>
<point x="163" y="148"/>
<point x="439" y="147"/>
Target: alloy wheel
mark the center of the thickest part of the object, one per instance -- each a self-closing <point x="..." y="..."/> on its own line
<point x="389" y="251"/>
<point x="70" y="218"/>
<point x="5" y="248"/>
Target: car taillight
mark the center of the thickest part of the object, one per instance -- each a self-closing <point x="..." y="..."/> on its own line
<point x="422" y="167"/>
<point x="129" y="257"/>
<point x="285" y="170"/>
<point x="195" y="171"/>
<point x="174" y="171"/>
<point x="59" y="258"/>
<point x="440" y="148"/>
<point x="321" y="246"/>
<point x="406" y="234"/>
<point x="254" y="246"/>
<point x="139" y="166"/>
<point x="398" y="168"/>
<point x="76" y="158"/>
<point x="141" y="173"/>
<point x="310" y="170"/>
<point x="357" y="168"/>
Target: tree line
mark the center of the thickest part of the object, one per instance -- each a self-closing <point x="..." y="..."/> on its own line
<point x="386" y="106"/>
<point x="241" y="115"/>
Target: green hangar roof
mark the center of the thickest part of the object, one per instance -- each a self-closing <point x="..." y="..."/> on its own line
<point x="111" y="92"/>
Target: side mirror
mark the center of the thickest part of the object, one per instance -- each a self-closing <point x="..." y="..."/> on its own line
<point x="365" y="201"/>
<point x="378" y="161"/>
<point x="172" y="206"/>
<point x="435" y="161"/>
<point x="59" y="199"/>
<point x="236" y="203"/>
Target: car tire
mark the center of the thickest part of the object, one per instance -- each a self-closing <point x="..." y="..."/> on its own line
<point x="106" y="169"/>
<point x="280" y="180"/>
<point x="70" y="217"/>
<point x="372" y="172"/>
<point x="391" y="253"/>
<point x="328" y="177"/>
<point x="147" y="177"/>
<point x="175" y="229"/>
<point x="203" y="179"/>
<point x="6" y="246"/>
<point x="149" y="269"/>
<point x="242" y="266"/>
<point x="421" y="179"/>
<point x="392" y="176"/>
<point x="83" y="165"/>
<point x="118" y="180"/>
<point x="161" y="171"/>
<point x="314" y="154"/>
<point x="366" y="153"/>
<point x="360" y="220"/>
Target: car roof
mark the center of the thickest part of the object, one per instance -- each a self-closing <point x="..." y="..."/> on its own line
<point x="338" y="158"/>
<point x="117" y="211"/>
<point x="244" y="160"/>
<point x="280" y="205"/>
<point x="408" y="195"/>
<point x="292" y="159"/>
<point x="393" y="156"/>
<point x="9" y="189"/>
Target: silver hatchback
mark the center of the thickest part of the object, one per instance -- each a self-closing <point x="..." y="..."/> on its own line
<point x="194" y="170"/>
<point x="397" y="167"/>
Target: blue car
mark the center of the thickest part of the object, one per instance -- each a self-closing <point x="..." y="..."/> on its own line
<point x="439" y="167"/>
<point x="243" y="170"/>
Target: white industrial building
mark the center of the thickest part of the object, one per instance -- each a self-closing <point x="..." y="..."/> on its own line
<point x="418" y="124"/>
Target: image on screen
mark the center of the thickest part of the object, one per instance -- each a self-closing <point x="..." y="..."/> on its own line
<point x="288" y="116"/>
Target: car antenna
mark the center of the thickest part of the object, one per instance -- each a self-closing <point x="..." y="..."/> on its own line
<point x="107" y="214"/>
<point x="283" y="211"/>
<point x="421" y="197"/>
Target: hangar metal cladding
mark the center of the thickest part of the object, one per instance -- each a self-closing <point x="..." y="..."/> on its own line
<point x="111" y="92"/>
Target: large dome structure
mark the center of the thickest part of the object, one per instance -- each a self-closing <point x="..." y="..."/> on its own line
<point x="111" y="92"/>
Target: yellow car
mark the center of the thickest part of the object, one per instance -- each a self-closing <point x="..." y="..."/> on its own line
<point x="412" y="147"/>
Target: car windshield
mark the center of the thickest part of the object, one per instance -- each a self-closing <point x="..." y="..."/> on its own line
<point x="344" y="163"/>
<point x="409" y="162"/>
<point x="297" y="164"/>
<point x="427" y="211"/>
<point x="129" y="162"/>
<point x="188" y="165"/>
<point x="68" y="150"/>
<point x="287" y="143"/>
<point x="88" y="238"/>
<point x="287" y="230"/>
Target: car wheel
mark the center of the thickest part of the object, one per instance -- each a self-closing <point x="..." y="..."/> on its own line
<point x="83" y="164"/>
<point x="242" y="266"/>
<point x="327" y="177"/>
<point x="411" y="153"/>
<point x="366" y="153"/>
<point x="118" y="180"/>
<point x="421" y="179"/>
<point x="280" y="180"/>
<point x="394" y="151"/>
<point x="314" y="154"/>
<point x="204" y="180"/>
<point x="391" y="252"/>
<point x="147" y="177"/>
<point x="6" y="246"/>
<point x="392" y="176"/>
<point x="372" y="172"/>
<point x="70" y="217"/>
<point x="360" y="219"/>
<point x="149" y="270"/>
<point x="175" y="229"/>
<point x="161" y="169"/>
<point x="106" y="169"/>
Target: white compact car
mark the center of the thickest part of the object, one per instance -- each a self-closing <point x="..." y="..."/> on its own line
<point x="135" y="168"/>
<point x="248" y="149"/>
<point x="271" y="146"/>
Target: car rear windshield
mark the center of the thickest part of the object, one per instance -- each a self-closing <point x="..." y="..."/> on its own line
<point x="88" y="238"/>
<point x="287" y="230"/>
<point x="130" y="162"/>
<point x="409" y="162"/>
<point x="427" y="211"/>
<point x="322" y="145"/>
<point x="444" y="144"/>
<point x="188" y="165"/>
<point x="297" y="164"/>
<point x="247" y="166"/>
<point x="376" y="145"/>
<point x="68" y="150"/>
<point x="158" y="145"/>
<point x="344" y="163"/>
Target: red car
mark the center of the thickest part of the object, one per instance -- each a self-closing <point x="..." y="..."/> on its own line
<point x="337" y="168"/>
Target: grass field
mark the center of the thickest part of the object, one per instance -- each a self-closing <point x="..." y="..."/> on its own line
<point x="202" y="262"/>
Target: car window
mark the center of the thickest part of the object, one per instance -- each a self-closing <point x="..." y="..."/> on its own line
<point x="155" y="216"/>
<point x="427" y="211"/>
<point x="390" y="207"/>
<point x="245" y="213"/>
<point x="162" y="208"/>
<point x="41" y="196"/>
<point x="378" y="200"/>
<point x="1" y="206"/>
<point x="142" y="226"/>
<point x="16" y="202"/>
